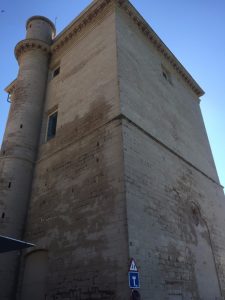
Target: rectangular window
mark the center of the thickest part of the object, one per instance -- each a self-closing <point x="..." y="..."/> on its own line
<point x="56" y="72"/>
<point x="52" y="123"/>
<point x="166" y="74"/>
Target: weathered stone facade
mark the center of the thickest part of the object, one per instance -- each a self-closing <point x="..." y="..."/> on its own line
<point x="129" y="172"/>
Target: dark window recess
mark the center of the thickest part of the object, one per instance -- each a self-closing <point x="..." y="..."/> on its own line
<point x="9" y="185"/>
<point x="52" y="122"/>
<point x="3" y="215"/>
<point x="21" y="125"/>
<point x="56" y="72"/>
<point x="165" y="75"/>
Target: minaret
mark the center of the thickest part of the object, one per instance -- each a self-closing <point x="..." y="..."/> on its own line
<point x="19" y="148"/>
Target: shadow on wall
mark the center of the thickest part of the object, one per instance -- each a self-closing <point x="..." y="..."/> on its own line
<point x="205" y="267"/>
<point x="35" y="274"/>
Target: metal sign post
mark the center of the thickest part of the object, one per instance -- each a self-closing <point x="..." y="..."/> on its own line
<point x="133" y="275"/>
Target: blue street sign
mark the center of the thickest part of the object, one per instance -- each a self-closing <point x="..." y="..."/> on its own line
<point x="134" y="282"/>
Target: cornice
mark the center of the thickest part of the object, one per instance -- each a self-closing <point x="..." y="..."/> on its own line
<point x="96" y="7"/>
<point x="11" y="87"/>
<point x="30" y="44"/>
<point x="87" y="17"/>
<point x="145" y="28"/>
<point x="84" y="19"/>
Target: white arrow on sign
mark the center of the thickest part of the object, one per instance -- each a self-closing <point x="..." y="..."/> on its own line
<point x="134" y="280"/>
<point x="133" y="266"/>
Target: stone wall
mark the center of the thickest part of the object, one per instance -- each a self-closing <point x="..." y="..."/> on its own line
<point x="177" y="241"/>
<point x="128" y="174"/>
<point x="172" y="189"/>
<point x="77" y="209"/>
<point x="166" y="108"/>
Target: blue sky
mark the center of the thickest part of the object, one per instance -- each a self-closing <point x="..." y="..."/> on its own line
<point x="193" y="30"/>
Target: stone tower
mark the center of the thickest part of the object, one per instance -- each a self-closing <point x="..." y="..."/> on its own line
<point x="19" y="148"/>
<point x="106" y="142"/>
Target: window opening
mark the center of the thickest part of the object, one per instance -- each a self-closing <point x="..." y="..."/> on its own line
<point x="56" y="72"/>
<point x="166" y="74"/>
<point x="52" y="123"/>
